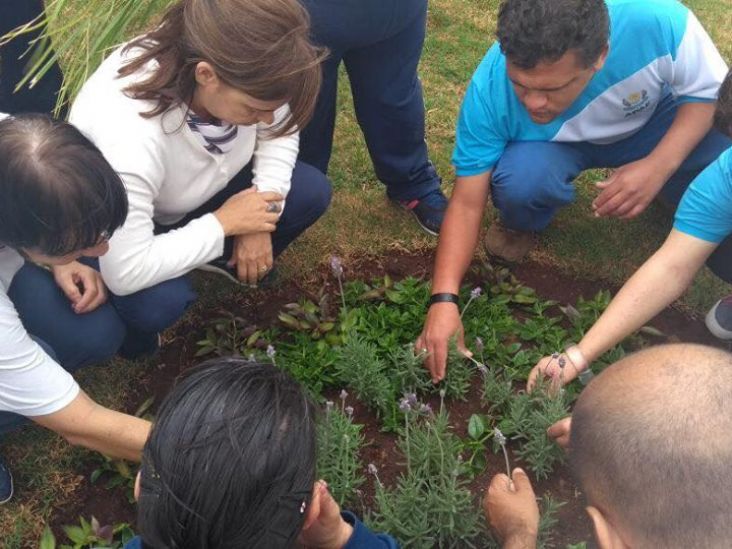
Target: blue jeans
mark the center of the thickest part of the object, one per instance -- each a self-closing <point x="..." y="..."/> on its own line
<point x="532" y="180"/>
<point x="152" y="310"/>
<point x="380" y="43"/>
<point x="73" y="340"/>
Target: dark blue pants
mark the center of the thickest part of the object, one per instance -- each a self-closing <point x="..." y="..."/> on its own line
<point x="40" y="98"/>
<point x="152" y="310"/>
<point x="380" y="43"/>
<point x="533" y="179"/>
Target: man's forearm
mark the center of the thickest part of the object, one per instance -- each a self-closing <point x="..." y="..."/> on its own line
<point x="459" y="232"/>
<point x="692" y="122"/>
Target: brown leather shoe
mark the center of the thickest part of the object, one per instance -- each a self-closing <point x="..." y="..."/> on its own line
<point x="509" y="245"/>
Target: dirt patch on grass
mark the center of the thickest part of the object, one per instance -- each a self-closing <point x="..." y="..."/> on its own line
<point x="260" y="307"/>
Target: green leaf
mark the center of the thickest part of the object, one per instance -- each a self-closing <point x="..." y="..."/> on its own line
<point x="289" y="320"/>
<point x="476" y="427"/>
<point x="48" y="540"/>
<point x="252" y="339"/>
<point x="96" y="473"/>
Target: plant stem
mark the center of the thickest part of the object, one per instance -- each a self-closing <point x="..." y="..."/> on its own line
<point x="505" y="456"/>
<point x="343" y="296"/>
<point x="466" y="306"/>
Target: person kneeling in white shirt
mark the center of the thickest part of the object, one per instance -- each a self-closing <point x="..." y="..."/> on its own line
<point x="200" y="117"/>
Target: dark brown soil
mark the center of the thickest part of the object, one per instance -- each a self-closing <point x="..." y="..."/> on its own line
<point x="261" y="308"/>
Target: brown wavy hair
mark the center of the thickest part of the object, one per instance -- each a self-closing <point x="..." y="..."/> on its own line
<point x="260" y="47"/>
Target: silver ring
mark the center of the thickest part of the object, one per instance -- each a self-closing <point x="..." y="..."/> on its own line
<point x="273" y="207"/>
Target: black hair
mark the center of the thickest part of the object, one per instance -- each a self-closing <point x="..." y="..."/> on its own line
<point x="230" y="461"/>
<point x="531" y="31"/>
<point x="58" y="194"/>
<point x="651" y="446"/>
<point x="723" y="112"/>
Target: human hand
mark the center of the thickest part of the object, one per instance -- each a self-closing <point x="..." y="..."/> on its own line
<point x="550" y="367"/>
<point x="324" y="527"/>
<point x="249" y="212"/>
<point x="560" y="431"/>
<point x="252" y="256"/>
<point x="442" y="323"/>
<point x="511" y="509"/>
<point x="82" y="285"/>
<point x="629" y="190"/>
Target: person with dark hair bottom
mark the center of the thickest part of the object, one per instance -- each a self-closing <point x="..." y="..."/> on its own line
<point x="572" y="85"/>
<point x="200" y="117"/>
<point x="231" y="463"/>
<point x="701" y="233"/>
<point x="380" y="43"/>
<point x="60" y="201"/>
<point x="649" y="445"/>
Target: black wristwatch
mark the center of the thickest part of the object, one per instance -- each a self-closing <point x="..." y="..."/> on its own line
<point x="444" y="298"/>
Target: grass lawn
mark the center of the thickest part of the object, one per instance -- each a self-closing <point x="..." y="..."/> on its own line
<point x="362" y="223"/>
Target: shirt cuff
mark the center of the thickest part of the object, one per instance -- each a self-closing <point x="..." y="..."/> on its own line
<point x="363" y="538"/>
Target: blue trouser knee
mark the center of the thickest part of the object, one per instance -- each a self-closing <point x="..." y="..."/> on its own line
<point x="533" y="179"/>
<point x="380" y="43"/>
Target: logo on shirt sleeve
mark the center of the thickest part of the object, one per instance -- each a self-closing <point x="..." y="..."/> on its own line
<point x="636" y="102"/>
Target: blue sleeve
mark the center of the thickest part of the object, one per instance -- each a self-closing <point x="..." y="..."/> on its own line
<point x="363" y="538"/>
<point x="134" y="543"/>
<point x="478" y="143"/>
<point x="705" y="211"/>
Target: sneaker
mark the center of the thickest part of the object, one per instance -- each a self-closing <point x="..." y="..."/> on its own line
<point x="509" y="245"/>
<point x="429" y="211"/>
<point x="719" y="318"/>
<point x="6" y="483"/>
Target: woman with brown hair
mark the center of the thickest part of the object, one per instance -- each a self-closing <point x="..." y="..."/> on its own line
<point x="200" y="117"/>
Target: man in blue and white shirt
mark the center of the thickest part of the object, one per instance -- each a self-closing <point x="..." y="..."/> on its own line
<point x="572" y="85"/>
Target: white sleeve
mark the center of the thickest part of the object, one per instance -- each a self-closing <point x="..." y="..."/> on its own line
<point x="31" y="382"/>
<point x="137" y="258"/>
<point x="699" y="68"/>
<point x="274" y="159"/>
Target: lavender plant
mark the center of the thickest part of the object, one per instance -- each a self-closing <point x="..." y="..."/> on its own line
<point x="339" y="445"/>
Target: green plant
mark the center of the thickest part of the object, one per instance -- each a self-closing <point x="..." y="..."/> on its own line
<point x="230" y="334"/>
<point x="526" y="420"/>
<point x="308" y="317"/>
<point x="430" y="505"/>
<point x="90" y="534"/>
<point x="339" y="443"/>
<point x="80" y="34"/>
<point x="474" y="446"/>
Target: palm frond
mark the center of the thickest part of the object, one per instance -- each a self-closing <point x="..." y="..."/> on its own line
<point x="78" y="34"/>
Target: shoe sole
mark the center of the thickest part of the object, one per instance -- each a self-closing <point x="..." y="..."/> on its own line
<point x="215" y="270"/>
<point x="12" y="490"/>
<point x="715" y="327"/>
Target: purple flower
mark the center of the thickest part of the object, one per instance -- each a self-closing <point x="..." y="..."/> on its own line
<point x="372" y="469"/>
<point x="343" y="395"/>
<point x="411" y="398"/>
<point x="475" y="293"/>
<point x="349" y="411"/>
<point x="404" y="405"/>
<point x="271" y="351"/>
<point x="425" y="409"/>
<point x="479" y="345"/>
<point x="336" y="266"/>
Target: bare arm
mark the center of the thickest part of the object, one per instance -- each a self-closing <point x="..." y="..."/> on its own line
<point x="85" y="423"/>
<point x="458" y="238"/>
<point x="658" y="283"/>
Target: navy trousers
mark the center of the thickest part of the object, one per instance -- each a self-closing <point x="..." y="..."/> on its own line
<point x="154" y="309"/>
<point x="380" y="43"/>
<point x="40" y="98"/>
